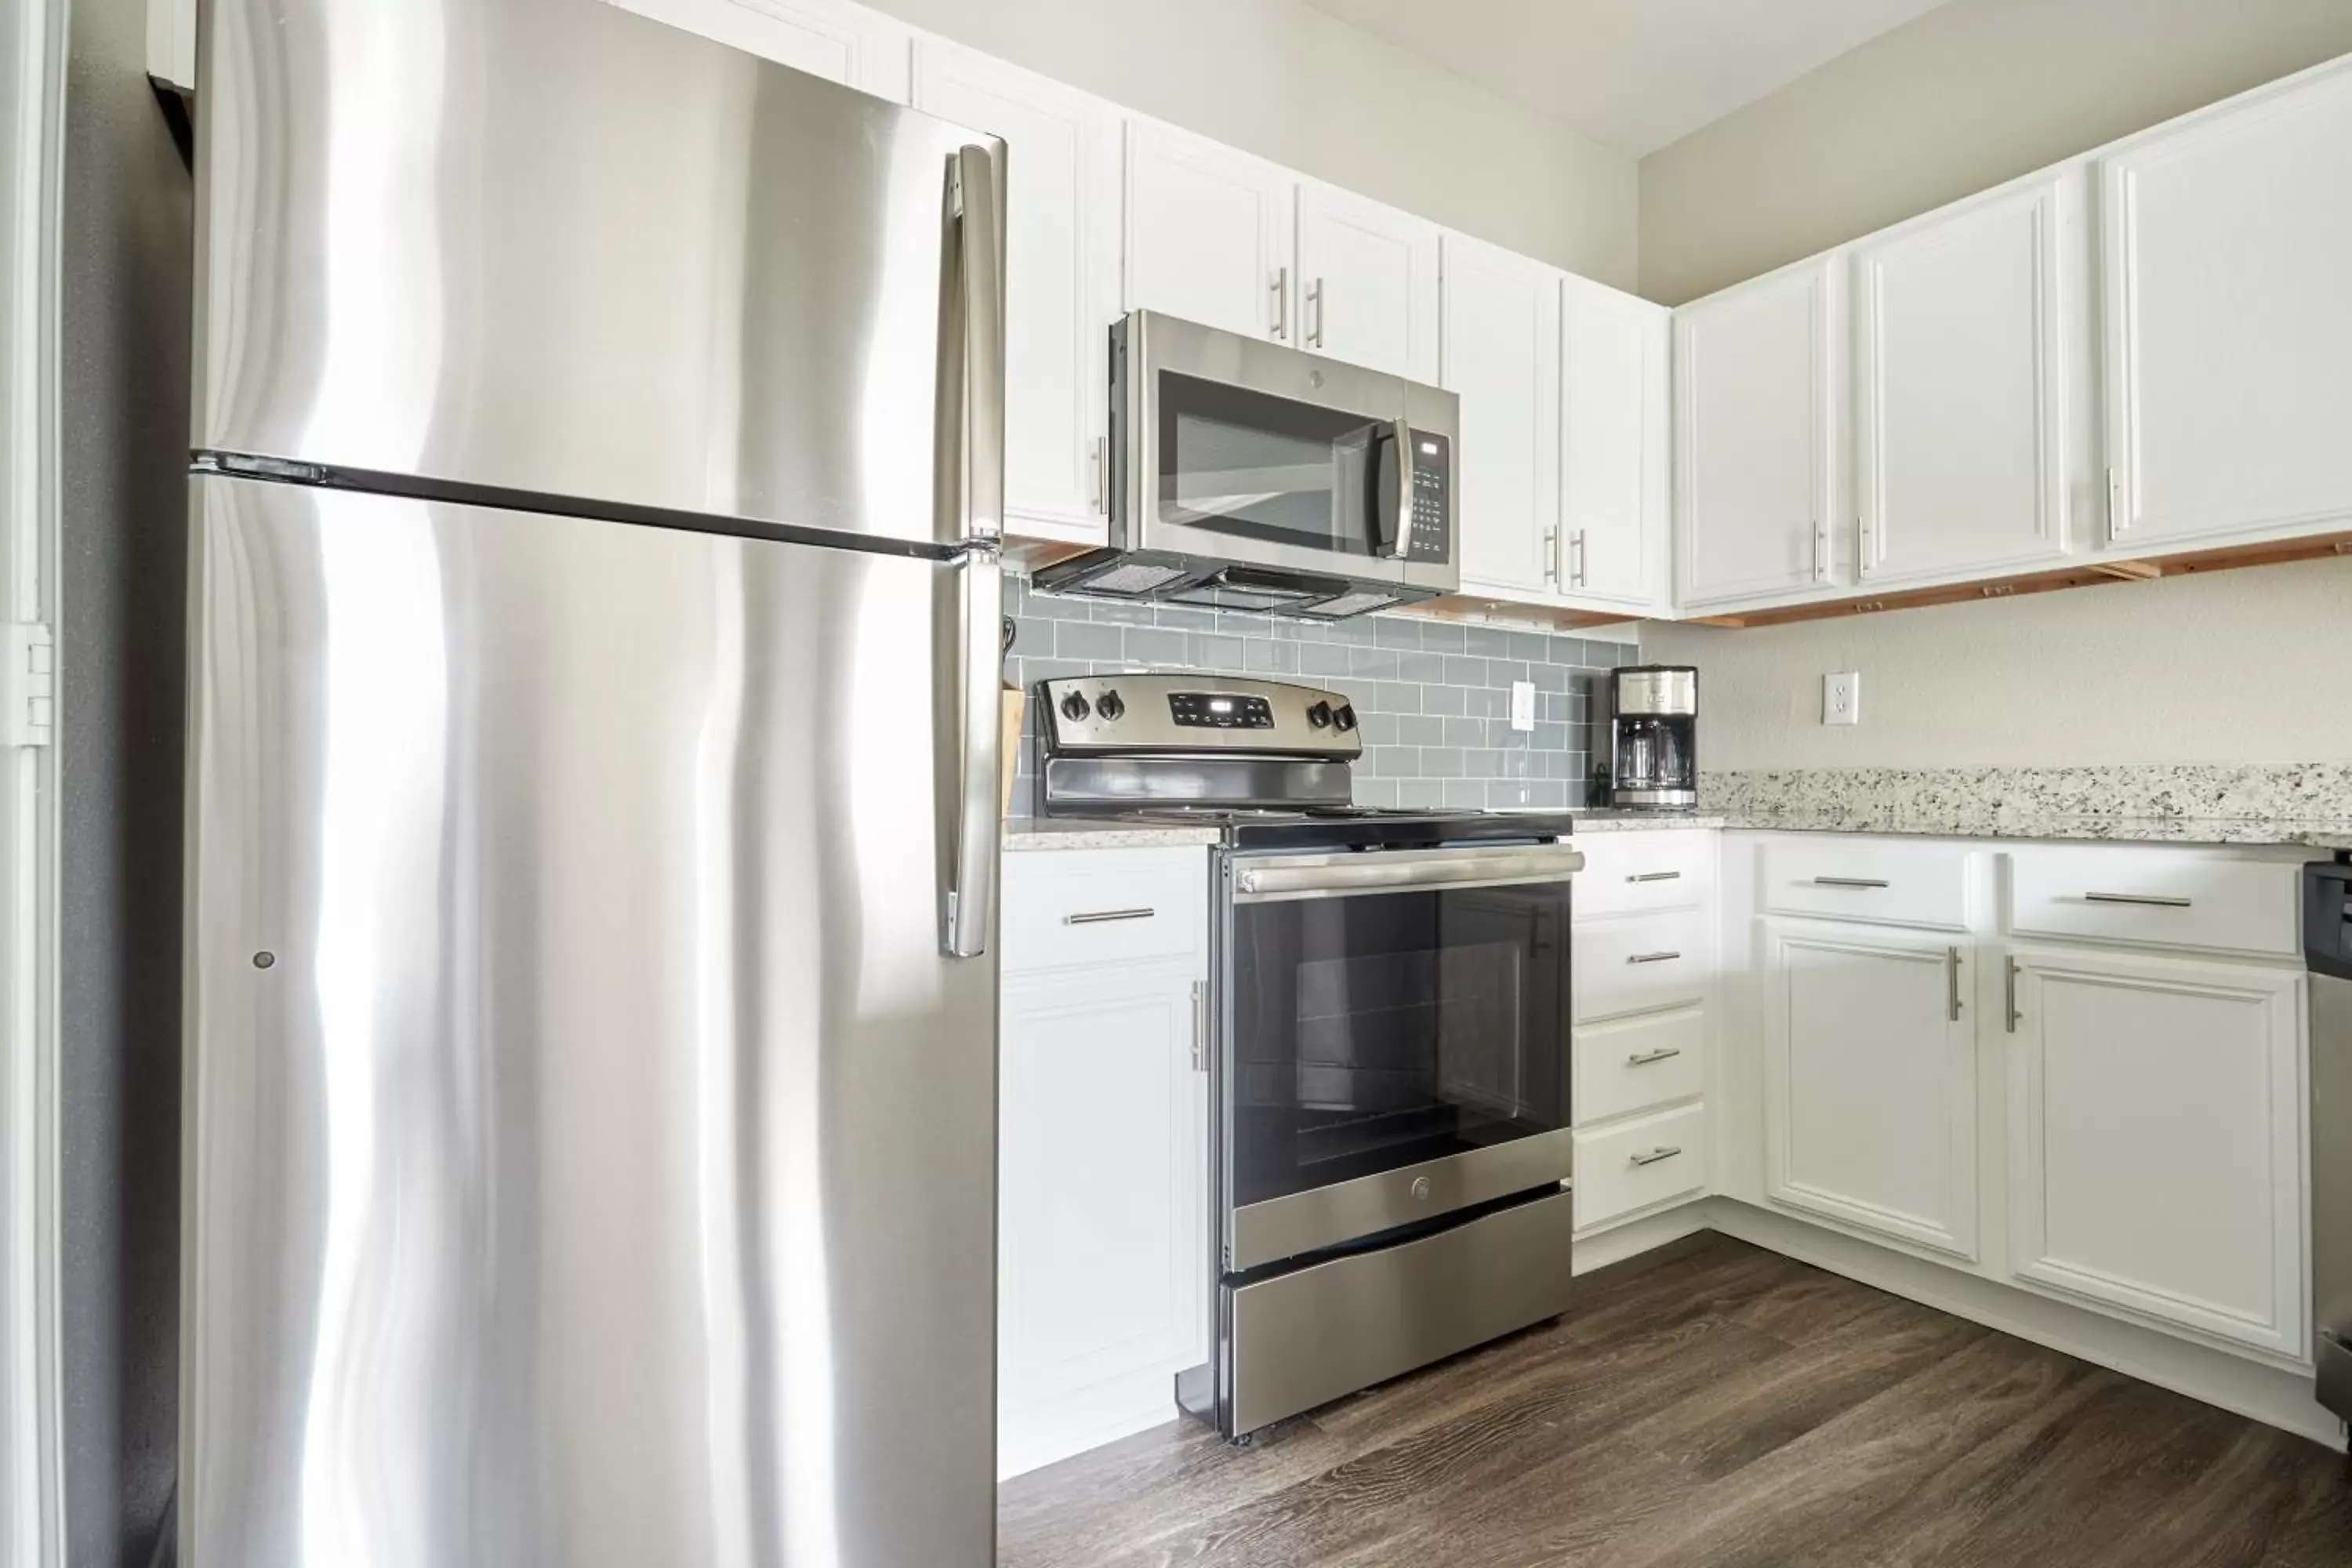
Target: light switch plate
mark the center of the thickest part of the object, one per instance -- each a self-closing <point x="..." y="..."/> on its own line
<point x="1841" y="698"/>
<point x="1523" y="705"/>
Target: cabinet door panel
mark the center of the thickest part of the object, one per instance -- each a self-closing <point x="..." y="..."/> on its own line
<point x="1208" y="234"/>
<point x="2229" y="242"/>
<point x="1756" y="436"/>
<point x="843" y="42"/>
<point x="1061" y="274"/>
<point x="1500" y="353"/>
<point x="1368" y="283"/>
<point x="2156" y="1141"/>
<point x="1614" y="473"/>
<point x="1871" y="1092"/>
<point x="1102" y="1201"/>
<point x="1961" y="397"/>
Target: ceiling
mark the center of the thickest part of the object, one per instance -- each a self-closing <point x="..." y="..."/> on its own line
<point x="1634" y="75"/>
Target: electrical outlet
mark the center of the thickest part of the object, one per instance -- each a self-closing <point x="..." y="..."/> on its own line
<point x="1841" y="698"/>
<point x="1523" y="705"/>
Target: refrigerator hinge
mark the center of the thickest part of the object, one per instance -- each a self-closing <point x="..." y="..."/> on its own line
<point x="27" y="685"/>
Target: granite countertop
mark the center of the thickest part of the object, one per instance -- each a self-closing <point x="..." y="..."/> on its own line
<point x="1026" y="832"/>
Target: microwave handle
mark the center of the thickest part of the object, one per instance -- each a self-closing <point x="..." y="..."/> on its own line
<point x="1392" y="495"/>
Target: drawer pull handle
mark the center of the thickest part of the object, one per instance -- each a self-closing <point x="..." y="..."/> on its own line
<point x="1655" y="877"/>
<point x="1102" y="917"/>
<point x="1653" y="958"/>
<point x="1645" y="1058"/>
<point x="1655" y="1155"/>
<point x="2147" y="900"/>
<point x="1849" y="882"/>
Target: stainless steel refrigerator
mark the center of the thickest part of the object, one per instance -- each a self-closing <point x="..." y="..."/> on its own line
<point x="590" y="1030"/>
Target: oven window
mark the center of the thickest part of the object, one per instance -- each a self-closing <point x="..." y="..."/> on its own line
<point x="1240" y="462"/>
<point x="1381" y="1030"/>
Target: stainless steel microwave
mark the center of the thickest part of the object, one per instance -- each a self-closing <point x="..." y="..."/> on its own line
<point x="1250" y="476"/>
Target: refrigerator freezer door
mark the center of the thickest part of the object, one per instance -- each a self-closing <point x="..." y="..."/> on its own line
<point x="592" y="1151"/>
<point x="553" y="248"/>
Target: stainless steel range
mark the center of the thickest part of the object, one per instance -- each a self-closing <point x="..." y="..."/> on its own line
<point x="1388" y="1070"/>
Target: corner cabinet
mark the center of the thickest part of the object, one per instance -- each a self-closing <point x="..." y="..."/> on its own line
<point x="2228" y="320"/>
<point x="1964" y="327"/>
<point x="1758" y="440"/>
<point x="1870" y="1081"/>
<point x="2155" y="1139"/>
<point x="1102" y="1140"/>
<point x="1061" y="271"/>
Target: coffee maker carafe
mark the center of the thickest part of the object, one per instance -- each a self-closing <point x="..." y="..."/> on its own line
<point x="1654" y="737"/>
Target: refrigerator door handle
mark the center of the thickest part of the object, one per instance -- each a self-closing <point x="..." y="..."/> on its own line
<point x="969" y="697"/>
<point x="972" y="378"/>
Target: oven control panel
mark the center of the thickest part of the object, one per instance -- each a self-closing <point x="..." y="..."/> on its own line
<point x="1142" y="711"/>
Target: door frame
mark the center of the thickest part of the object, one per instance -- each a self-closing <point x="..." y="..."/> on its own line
<point x="32" y="1476"/>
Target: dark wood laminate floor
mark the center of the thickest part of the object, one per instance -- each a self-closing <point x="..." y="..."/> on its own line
<point x="1713" y="1404"/>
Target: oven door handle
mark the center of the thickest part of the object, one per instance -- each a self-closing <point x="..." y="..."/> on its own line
<point x="1354" y="875"/>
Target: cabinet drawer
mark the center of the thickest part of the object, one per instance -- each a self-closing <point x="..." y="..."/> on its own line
<point x="1626" y="873"/>
<point x="1065" y="907"/>
<point x="1633" y="1064"/>
<point x="1642" y="965"/>
<point x="1642" y="1164"/>
<point x="1884" y="884"/>
<point x="2166" y="898"/>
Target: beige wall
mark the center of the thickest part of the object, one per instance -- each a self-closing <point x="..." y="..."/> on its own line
<point x="2252" y="666"/>
<point x="1970" y="94"/>
<point x="1284" y="81"/>
<point x="2246" y="666"/>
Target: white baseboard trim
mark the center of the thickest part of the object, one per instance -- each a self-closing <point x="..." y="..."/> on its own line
<point x="2271" y="1395"/>
<point x="1631" y="1239"/>
<point x="1075" y="1423"/>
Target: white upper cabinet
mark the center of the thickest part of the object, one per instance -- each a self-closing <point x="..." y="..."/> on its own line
<point x="2156" y="1155"/>
<point x="1061" y="268"/>
<point x="2229" y="322"/>
<point x="1758" y="438"/>
<point x="1366" y="283"/>
<point x="840" y="42"/>
<point x="1615" y="473"/>
<point x="1500" y="353"/>
<point x="1961" y="331"/>
<point x="1208" y="234"/>
<point x="1870" y="1110"/>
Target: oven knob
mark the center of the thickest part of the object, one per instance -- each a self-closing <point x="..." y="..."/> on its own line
<point x="1110" y="706"/>
<point x="1074" y="707"/>
<point x="1319" y="715"/>
<point x="1345" y="717"/>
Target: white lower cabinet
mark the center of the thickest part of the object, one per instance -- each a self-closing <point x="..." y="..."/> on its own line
<point x="1870" y="1082"/>
<point x="1102" y="1248"/>
<point x="2155" y="1139"/>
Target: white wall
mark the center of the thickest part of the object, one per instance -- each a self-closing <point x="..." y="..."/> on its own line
<point x="1284" y="81"/>
<point x="2247" y="665"/>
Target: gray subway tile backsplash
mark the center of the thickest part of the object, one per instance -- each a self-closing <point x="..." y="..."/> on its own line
<point x="1433" y="695"/>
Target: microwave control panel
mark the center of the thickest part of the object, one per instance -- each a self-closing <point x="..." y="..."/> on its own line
<point x="1431" y="516"/>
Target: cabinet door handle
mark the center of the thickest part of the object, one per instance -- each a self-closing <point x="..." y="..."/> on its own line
<point x="1952" y="982"/>
<point x="1653" y="958"/>
<point x="1098" y="450"/>
<point x="1820" y="554"/>
<point x="1655" y="1155"/>
<point x="1199" y="1025"/>
<point x="1551" y="555"/>
<point x="1315" y="320"/>
<point x="2145" y="901"/>
<point x="1575" y="558"/>
<point x="1655" y="877"/>
<point x="1866" y="883"/>
<point x="1104" y="917"/>
<point x="1281" y="287"/>
<point x="2013" y="997"/>
<point x="1643" y="1058"/>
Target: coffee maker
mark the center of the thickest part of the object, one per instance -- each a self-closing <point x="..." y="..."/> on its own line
<point x="1652" y="737"/>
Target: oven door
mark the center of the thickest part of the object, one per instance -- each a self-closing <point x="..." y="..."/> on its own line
<point x="1257" y="455"/>
<point x="1394" y="1040"/>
